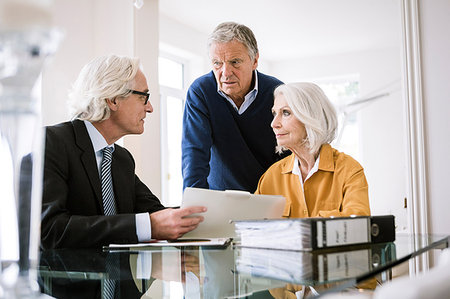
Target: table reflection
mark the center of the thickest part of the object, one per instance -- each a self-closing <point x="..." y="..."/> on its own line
<point x="82" y="274"/>
<point x="233" y="272"/>
<point x="142" y="274"/>
<point x="312" y="267"/>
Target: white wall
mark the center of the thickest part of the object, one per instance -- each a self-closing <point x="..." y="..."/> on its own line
<point x="435" y="47"/>
<point x="186" y="43"/>
<point x="382" y="122"/>
<point x="146" y="148"/>
<point x="90" y="28"/>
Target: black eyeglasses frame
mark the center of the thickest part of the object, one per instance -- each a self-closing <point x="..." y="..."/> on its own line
<point x="141" y="93"/>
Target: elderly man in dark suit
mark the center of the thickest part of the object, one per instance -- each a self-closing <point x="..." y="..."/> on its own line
<point x="92" y="196"/>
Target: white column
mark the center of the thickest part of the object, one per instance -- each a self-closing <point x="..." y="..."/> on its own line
<point x="146" y="148"/>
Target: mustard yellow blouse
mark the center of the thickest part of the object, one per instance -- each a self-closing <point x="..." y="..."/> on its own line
<point x="338" y="188"/>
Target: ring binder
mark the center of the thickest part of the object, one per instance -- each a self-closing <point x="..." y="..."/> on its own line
<point x="315" y="233"/>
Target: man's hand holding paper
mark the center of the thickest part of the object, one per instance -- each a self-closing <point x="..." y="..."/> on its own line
<point x="170" y="224"/>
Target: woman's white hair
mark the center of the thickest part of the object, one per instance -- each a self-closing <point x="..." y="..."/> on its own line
<point x="312" y="107"/>
<point x="105" y="77"/>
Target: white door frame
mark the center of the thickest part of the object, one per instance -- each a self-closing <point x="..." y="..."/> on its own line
<point x="416" y="153"/>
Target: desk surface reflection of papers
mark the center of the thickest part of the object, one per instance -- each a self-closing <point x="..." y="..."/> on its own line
<point x="311" y="268"/>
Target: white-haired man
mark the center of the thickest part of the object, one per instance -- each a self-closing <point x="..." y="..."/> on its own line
<point x="87" y="203"/>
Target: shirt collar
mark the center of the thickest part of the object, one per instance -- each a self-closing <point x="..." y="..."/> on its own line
<point x="97" y="139"/>
<point x="288" y="165"/>
<point x="296" y="167"/>
<point x="326" y="162"/>
<point x="248" y="99"/>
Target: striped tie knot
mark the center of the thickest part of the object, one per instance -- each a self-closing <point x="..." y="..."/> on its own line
<point x="107" y="154"/>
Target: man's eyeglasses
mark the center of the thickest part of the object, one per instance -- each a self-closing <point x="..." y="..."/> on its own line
<point x="141" y="93"/>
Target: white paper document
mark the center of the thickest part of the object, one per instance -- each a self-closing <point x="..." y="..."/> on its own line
<point x="174" y="243"/>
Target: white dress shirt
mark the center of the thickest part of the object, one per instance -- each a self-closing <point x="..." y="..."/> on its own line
<point x="248" y="99"/>
<point x="296" y="169"/>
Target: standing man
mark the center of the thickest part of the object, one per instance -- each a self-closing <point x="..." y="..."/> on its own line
<point x="92" y="196"/>
<point x="227" y="141"/>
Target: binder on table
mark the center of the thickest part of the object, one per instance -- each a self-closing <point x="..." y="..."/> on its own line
<point x="315" y="233"/>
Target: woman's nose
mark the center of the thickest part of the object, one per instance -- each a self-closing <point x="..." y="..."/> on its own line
<point x="275" y="122"/>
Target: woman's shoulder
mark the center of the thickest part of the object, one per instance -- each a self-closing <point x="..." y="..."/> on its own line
<point x="270" y="180"/>
<point x="343" y="160"/>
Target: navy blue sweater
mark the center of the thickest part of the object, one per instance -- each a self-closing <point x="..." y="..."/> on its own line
<point x="221" y="149"/>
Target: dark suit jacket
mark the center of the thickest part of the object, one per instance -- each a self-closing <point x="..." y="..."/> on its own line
<point x="72" y="208"/>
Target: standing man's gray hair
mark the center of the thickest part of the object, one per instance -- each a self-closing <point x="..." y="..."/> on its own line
<point x="228" y="31"/>
<point x="105" y="77"/>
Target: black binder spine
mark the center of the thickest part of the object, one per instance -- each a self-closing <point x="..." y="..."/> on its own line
<point x="380" y="229"/>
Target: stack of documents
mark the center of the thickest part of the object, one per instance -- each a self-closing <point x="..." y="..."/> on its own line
<point x="315" y="233"/>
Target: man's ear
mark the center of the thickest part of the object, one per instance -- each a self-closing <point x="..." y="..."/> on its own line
<point x="255" y="62"/>
<point x="112" y="104"/>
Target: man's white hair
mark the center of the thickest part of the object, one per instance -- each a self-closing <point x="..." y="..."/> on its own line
<point x="105" y="77"/>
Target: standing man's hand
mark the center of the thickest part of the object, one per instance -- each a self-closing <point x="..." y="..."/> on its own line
<point x="170" y="224"/>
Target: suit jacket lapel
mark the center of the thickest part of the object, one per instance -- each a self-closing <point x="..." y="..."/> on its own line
<point x="88" y="160"/>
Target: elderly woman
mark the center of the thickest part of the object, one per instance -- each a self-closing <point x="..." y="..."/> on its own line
<point x="316" y="179"/>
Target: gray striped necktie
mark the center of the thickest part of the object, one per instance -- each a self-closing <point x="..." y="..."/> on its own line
<point x="109" y="205"/>
<point x="112" y="273"/>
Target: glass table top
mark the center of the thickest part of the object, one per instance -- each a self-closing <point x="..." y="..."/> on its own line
<point x="232" y="272"/>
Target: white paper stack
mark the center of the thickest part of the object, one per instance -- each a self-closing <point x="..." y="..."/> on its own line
<point x="289" y="235"/>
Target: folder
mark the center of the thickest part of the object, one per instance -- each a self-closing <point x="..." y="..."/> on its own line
<point x="225" y="206"/>
<point x="315" y="233"/>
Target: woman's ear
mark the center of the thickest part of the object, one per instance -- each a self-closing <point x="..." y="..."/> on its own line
<point x="112" y="104"/>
